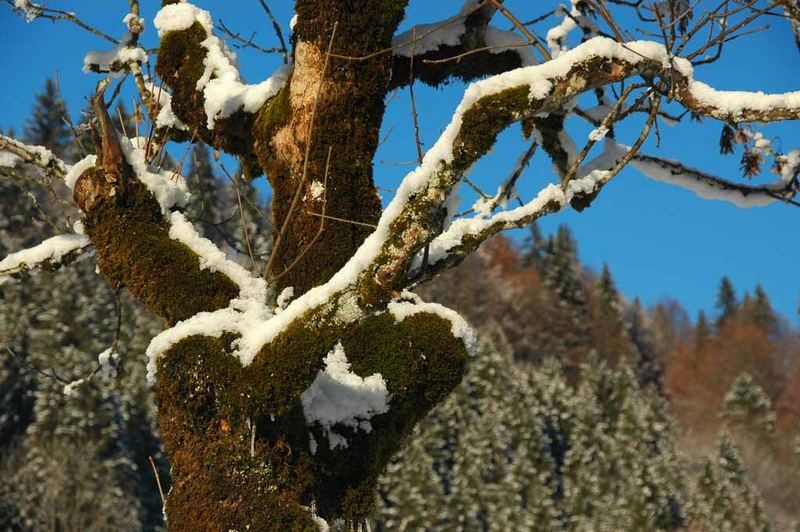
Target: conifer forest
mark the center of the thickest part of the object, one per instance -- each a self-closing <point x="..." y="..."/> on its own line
<point x="218" y="313"/>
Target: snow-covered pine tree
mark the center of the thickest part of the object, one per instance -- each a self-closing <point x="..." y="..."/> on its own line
<point x="747" y="403"/>
<point x="539" y="455"/>
<point x="724" y="499"/>
<point x="77" y="462"/>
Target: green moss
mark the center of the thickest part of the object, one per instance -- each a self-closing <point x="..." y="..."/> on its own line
<point x="485" y="120"/>
<point x="421" y="362"/>
<point x="284" y="368"/>
<point x="134" y="250"/>
<point x="360" y="30"/>
<point x="180" y="65"/>
<point x="207" y="402"/>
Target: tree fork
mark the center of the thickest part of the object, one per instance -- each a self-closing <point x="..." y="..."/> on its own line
<point x="349" y="101"/>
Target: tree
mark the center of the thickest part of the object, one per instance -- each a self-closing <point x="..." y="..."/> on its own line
<point x="747" y="402"/>
<point x="727" y="303"/>
<point x="268" y="410"/>
<point x="725" y="499"/>
<point x="47" y="126"/>
<point x="513" y="450"/>
<point x="760" y="311"/>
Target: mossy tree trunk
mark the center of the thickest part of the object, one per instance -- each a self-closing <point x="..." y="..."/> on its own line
<point x="238" y="443"/>
<point x="242" y="455"/>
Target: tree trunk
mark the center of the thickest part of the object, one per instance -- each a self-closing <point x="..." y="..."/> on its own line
<point x="241" y="452"/>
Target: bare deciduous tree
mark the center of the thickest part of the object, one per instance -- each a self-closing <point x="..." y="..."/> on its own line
<point x="277" y="415"/>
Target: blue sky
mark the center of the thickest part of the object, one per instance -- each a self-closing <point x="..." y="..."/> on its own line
<point x="659" y="240"/>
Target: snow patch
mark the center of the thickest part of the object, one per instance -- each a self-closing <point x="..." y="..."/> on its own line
<point x="9" y="160"/>
<point x="411" y="304"/>
<point x="224" y="91"/>
<point x="168" y="188"/>
<point x="179" y="17"/>
<point x="113" y="60"/>
<point x="340" y="397"/>
<point x="284" y="297"/>
<point x="598" y="134"/>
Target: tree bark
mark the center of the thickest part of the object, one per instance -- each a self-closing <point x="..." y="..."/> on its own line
<point x="330" y="105"/>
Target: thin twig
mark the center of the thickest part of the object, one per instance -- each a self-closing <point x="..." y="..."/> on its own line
<point x="39" y="11"/>
<point x="414" y="116"/>
<point x="524" y="30"/>
<point x="277" y="28"/>
<point x="245" y="231"/>
<point x="158" y="480"/>
<point x="344" y="220"/>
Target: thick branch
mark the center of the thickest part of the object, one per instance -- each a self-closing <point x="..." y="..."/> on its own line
<point x="208" y="95"/>
<point x="132" y="241"/>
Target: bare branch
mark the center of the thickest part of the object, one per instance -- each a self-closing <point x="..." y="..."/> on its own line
<point x="32" y="11"/>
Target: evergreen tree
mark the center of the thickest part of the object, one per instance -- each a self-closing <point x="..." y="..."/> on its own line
<point x="85" y="453"/>
<point x="748" y="403"/>
<point x="761" y="312"/>
<point x="251" y="222"/>
<point x="560" y="270"/>
<point x="607" y="289"/>
<point x="701" y="330"/>
<point x="648" y="359"/>
<point x="46" y="126"/>
<point x="727" y="303"/>
<point x="725" y="500"/>
<point x="534" y="246"/>
<point x="515" y="450"/>
<point x="609" y="334"/>
<point x="77" y="462"/>
<point x="207" y="195"/>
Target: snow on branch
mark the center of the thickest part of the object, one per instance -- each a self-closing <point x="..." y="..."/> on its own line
<point x="712" y="187"/>
<point x="167" y="187"/>
<point x="415" y="217"/>
<point x="705" y="185"/>
<point x="224" y="91"/>
<point x="122" y="57"/>
<point x="13" y="151"/>
<point x="463" y="46"/>
<point x="244" y="313"/>
<point x="49" y="254"/>
<point x="337" y="396"/>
